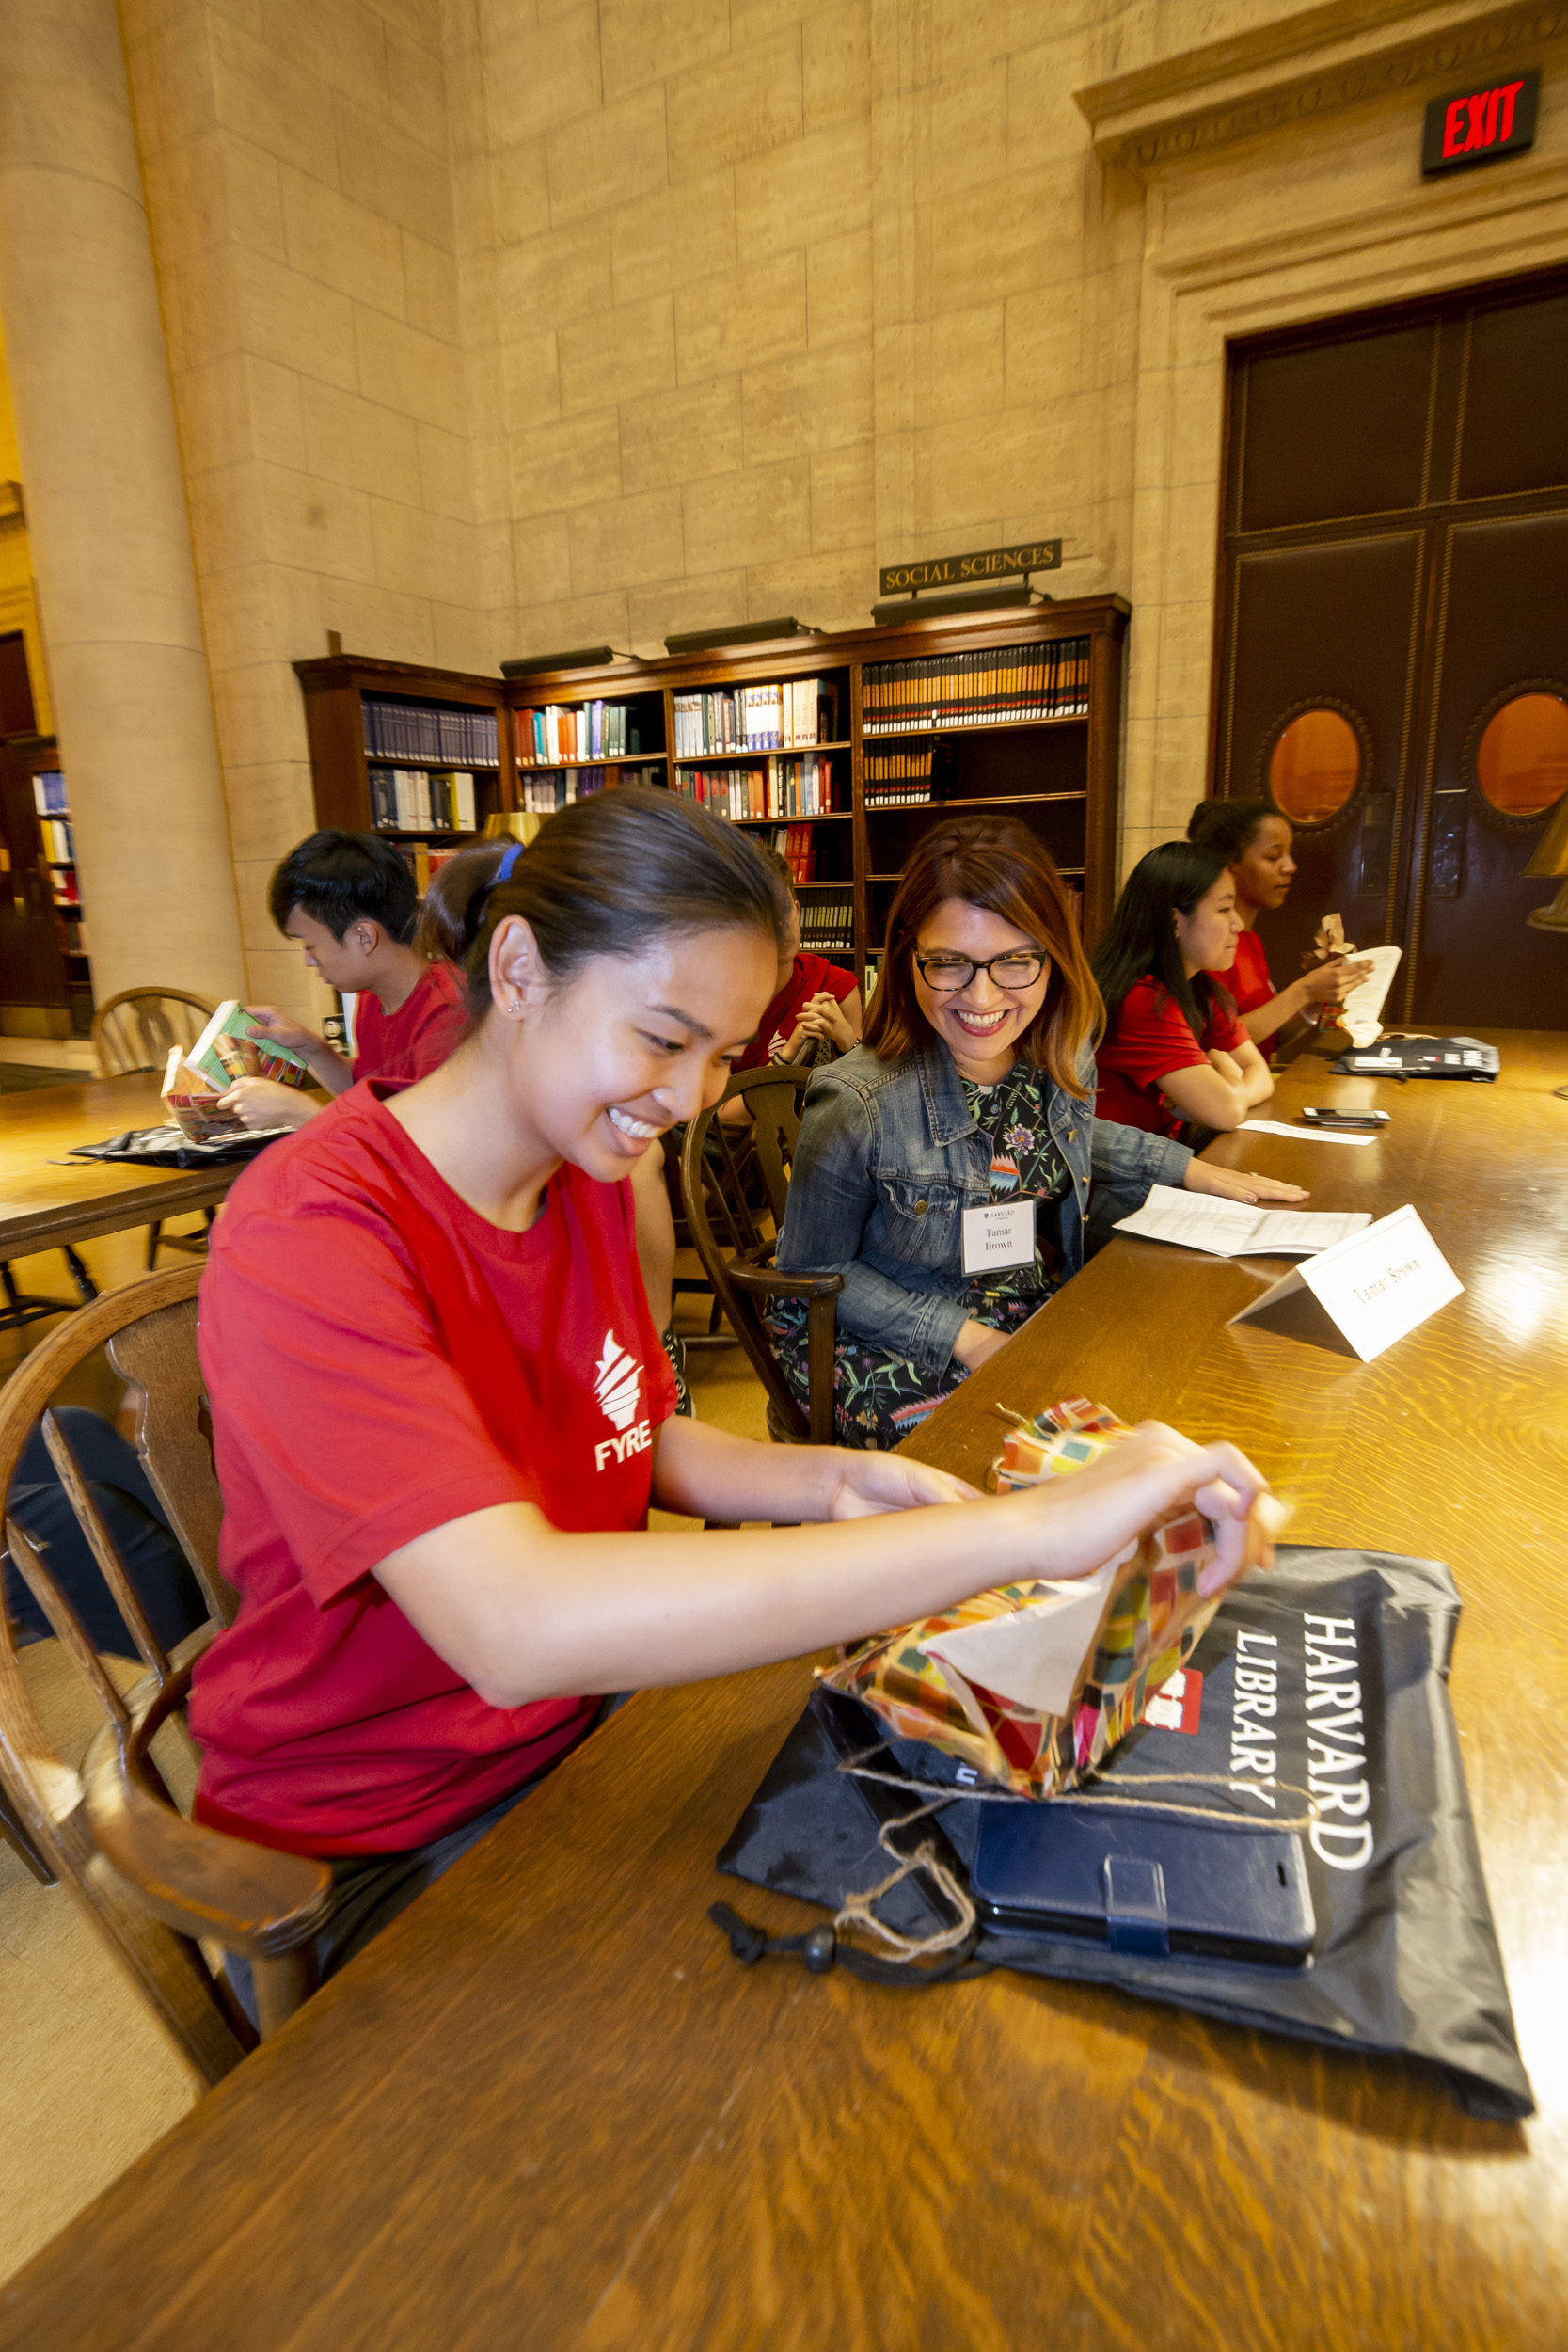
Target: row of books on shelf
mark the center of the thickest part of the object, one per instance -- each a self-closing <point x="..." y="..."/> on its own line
<point x="422" y="799"/>
<point x="779" y="717"/>
<point x="597" y="730"/>
<point x="828" y="925"/>
<point x="797" y="846"/>
<point x="49" y="793"/>
<point x="66" y="893"/>
<point x="395" y="730"/>
<point x="897" y="779"/>
<point x="777" y="786"/>
<point x="541" y="795"/>
<point x="985" y="688"/>
<point x="75" y="929"/>
<point x="59" y="842"/>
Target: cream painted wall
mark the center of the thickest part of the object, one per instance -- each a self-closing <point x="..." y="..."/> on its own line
<point x="18" y="600"/>
<point x="299" y="187"/>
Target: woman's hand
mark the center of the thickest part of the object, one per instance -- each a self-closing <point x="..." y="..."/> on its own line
<point x="261" y="1102"/>
<point x="869" y="1483"/>
<point x="1237" y="1184"/>
<point x="976" y="1344"/>
<point x="1330" y="983"/>
<point x="825" y="1016"/>
<point x="1088" y="1518"/>
<point x="1227" y="1064"/>
<point x="282" y="1031"/>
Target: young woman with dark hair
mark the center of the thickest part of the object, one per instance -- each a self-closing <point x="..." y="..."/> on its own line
<point x="1174" y="1051"/>
<point x="440" y="1410"/>
<point x="349" y="901"/>
<point x="972" y="1094"/>
<point x="1254" y="839"/>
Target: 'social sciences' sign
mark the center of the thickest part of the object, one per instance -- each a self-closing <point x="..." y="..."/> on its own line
<point x="962" y="571"/>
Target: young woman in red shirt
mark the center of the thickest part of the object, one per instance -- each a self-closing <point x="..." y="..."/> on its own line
<point x="440" y="1410"/>
<point x="1254" y="839"/>
<point x="1174" y="1054"/>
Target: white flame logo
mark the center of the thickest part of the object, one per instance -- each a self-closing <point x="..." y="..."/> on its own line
<point x="617" y="1383"/>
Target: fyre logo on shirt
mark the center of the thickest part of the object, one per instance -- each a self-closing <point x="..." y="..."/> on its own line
<point x="618" y="1386"/>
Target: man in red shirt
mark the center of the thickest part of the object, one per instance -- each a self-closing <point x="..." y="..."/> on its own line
<point x="349" y="900"/>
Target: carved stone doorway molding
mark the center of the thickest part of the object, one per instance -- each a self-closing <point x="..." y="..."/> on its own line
<point x="1281" y="181"/>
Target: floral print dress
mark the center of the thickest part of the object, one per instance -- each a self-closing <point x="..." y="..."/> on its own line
<point x="879" y="1398"/>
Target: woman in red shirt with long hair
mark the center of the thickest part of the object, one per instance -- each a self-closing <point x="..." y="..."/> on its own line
<point x="1254" y="839"/>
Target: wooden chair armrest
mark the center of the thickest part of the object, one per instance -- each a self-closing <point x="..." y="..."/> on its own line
<point x="252" y="1900"/>
<point x="767" y="1282"/>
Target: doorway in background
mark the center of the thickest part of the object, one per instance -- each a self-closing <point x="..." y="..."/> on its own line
<point x="1392" y="635"/>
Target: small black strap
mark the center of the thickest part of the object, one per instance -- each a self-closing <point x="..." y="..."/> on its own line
<point x="821" y="1949"/>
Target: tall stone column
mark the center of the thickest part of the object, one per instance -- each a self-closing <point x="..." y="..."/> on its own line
<point x="107" y="509"/>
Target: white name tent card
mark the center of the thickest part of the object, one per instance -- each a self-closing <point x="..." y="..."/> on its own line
<point x="1301" y="1135"/>
<point x="1375" y="1287"/>
<point x="1233" y="1228"/>
<point x="1363" y="1005"/>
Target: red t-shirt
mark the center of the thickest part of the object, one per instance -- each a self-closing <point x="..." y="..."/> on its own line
<point x="432" y="1020"/>
<point x="380" y="1360"/>
<point x="811" y="976"/>
<point x="1148" y="1040"/>
<point x="1248" y="982"/>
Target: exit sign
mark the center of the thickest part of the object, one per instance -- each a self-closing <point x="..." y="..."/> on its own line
<point x="1477" y="126"/>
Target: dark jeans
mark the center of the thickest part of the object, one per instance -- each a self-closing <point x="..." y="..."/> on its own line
<point x="152" y="1559"/>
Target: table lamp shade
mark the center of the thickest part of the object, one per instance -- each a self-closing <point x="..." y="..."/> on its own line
<point x="1550" y="857"/>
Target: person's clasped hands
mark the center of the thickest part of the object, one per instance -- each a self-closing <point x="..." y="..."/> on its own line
<point x="821" y="1016"/>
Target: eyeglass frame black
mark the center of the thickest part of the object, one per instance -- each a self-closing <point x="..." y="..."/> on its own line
<point x="1013" y="955"/>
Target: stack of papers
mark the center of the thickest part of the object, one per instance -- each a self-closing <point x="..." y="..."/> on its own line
<point x="1363" y="1005"/>
<point x="1231" y="1228"/>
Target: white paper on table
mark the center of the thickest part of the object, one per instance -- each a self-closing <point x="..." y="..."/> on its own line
<point x="1031" y="1656"/>
<point x="1233" y="1228"/>
<point x="1301" y="1135"/>
<point x="1362" y="1009"/>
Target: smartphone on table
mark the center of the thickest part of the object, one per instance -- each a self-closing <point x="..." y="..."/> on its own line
<point x="1362" y="1122"/>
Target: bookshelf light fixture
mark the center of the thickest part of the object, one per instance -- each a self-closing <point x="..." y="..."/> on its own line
<point x="899" y="611"/>
<point x="745" y="637"/>
<point x="582" y="658"/>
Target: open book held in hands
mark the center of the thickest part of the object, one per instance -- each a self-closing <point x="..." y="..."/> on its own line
<point x="235" y="1045"/>
<point x="192" y="1104"/>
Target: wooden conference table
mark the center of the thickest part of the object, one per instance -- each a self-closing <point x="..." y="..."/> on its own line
<point x="548" y="2109"/>
<point x="45" y="1204"/>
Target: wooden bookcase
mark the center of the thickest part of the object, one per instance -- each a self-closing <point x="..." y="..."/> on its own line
<point x="1059" y="774"/>
<point x="45" y="975"/>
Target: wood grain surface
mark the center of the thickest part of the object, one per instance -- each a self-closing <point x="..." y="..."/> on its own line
<point x="44" y="1204"/>
<point x="546" y="2108"/>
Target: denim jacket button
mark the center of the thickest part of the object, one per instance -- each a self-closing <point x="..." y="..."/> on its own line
<point x="1072" y="1135"/>
<point x="920" y="1208"/>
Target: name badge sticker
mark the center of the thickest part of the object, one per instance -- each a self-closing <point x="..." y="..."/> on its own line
<point x="1377" y="1286"/>
<point x="999" y="1236"/>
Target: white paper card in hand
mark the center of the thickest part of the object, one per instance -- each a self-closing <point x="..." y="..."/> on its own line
<point x="999" y="1236"/>
<point x="1234" y="1229"/>
<point x="1377" y="1286"/>
<point x="1362" y="1012"/>
<point x="1032" y="1656"/>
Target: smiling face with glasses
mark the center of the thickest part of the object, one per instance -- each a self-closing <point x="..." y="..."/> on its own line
<point x="979" y="983"/>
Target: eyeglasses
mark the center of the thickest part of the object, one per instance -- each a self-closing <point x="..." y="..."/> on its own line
<point x="946" y="975"/>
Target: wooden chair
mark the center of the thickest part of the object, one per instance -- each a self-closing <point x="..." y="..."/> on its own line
<point x="135" y="1031"/>
<point x="736" y="1240"/>
<point x="155" y="1884"/>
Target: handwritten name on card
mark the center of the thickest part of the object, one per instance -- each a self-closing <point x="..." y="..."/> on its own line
<point x="1377" y="1286"/>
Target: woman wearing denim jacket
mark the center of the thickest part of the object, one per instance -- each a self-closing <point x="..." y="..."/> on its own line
<point x="973" y="1090"/>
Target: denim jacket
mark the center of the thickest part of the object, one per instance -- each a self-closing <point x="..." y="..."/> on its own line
<point x="888" y="1160"/>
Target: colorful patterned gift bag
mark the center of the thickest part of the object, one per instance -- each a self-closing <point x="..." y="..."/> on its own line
<point x="1032" y="1684"/>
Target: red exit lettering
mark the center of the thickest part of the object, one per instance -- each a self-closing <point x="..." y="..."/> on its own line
<point x="1485" y="119"/>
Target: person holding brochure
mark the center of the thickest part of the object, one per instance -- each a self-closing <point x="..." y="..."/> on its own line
<point x="440" y="1412"/>
<point x="944" y="1167"/>
<point x="1254" y="839"/>
<point x="349" y="900"/>
<point x="1175" y="1056"/>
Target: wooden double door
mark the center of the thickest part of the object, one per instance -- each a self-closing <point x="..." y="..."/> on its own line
<point x="1393" y="638"/>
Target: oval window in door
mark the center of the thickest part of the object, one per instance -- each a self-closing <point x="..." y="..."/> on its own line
<point x="1315" y="766"/>
<point x="1522" y="759"/>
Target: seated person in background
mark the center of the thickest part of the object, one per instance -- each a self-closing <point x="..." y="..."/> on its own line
<point x="349" y="900"/>
<point x="974" y="1086"/>
<point x="440" y="1412"/>
<point x="1174" y="1054"/>
<point x="814" y="1011"/>
<point x="1254" y="839"/>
